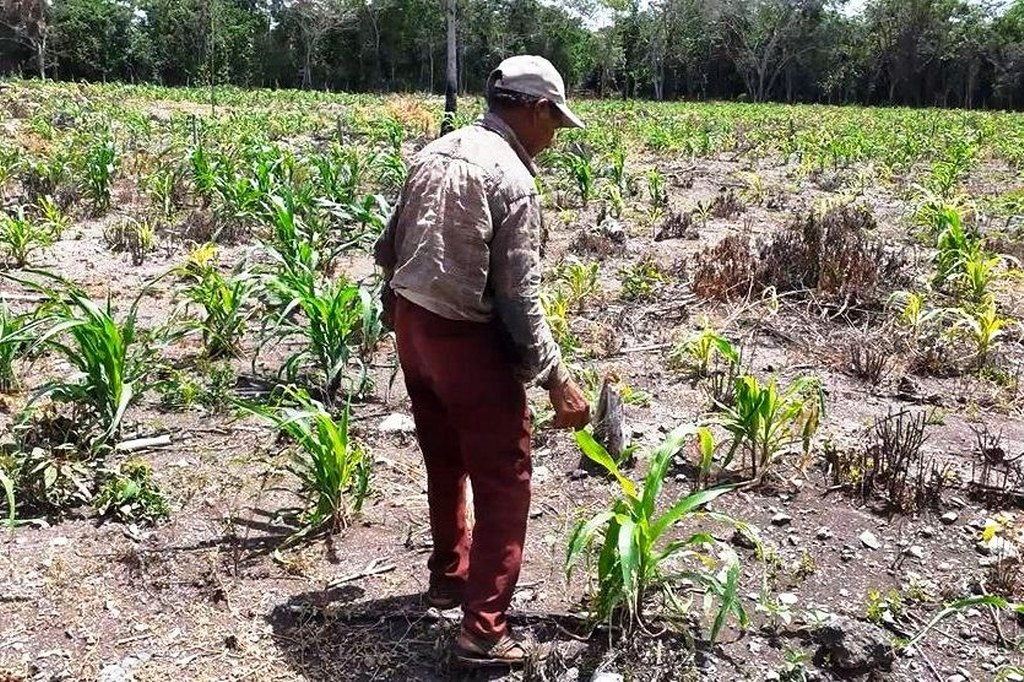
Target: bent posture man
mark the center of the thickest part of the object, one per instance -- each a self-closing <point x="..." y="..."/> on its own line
<point x="462" y="258"/>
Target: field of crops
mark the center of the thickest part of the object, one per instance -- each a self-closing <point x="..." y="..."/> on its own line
<point x="810" y="318"/>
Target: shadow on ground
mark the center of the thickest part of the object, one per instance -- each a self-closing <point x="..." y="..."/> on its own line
<point x="331" y="635"/>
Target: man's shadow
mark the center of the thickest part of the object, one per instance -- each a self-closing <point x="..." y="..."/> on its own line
<point x="331" y="635"/>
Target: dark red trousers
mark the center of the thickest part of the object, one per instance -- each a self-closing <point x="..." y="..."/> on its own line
<point x="471" y="421"/>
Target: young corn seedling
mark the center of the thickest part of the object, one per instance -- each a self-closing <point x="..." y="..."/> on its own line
<point x="696" y="353"/>
<point x="16" y="335"/>
<point x="640" y="565"/>
<point x="764" y="421"/>
<point x="332" y="467"/>
<point x="656" y="188"/>
<point x="581" y="172"/>
<point x="557" y="305"/>
<point x="339" y="322"/>
<point x="984" y="327"/>
<point x="580" y="279"/>
<point x="20" y="237"/>
<point x="641" y="280"/>
<point x="226" y="311"/>
<point x="53" y="219"/>
<point x="111" y="362"/>
<point x="98" y="174"/>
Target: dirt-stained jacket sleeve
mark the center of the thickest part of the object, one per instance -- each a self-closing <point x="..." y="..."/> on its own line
<point x="515" y="280"/>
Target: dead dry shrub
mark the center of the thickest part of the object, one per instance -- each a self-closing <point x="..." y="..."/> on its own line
<point x="601" y="241"/>
<point x="891" y="466"/>
<point x="677" y="226"/>
<point x="833" y="256"/>
<point x="724" y="271"/>
<point x="727" y="205"/>
<point x="870" y="358"/>
<point x="202" y="226"/>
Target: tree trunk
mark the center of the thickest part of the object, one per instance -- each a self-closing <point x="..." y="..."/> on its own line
<point x="451" y="70"/>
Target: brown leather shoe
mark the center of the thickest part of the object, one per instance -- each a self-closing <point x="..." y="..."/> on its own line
<point x="475" y="652"/>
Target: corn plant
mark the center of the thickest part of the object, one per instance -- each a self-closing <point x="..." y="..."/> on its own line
<point x="656" y="188"/>
<point x="580" y="280"/>
<point x="639" y="561"/>
<point x="617" y="167"/>
<point x="7" y="488"/>
<point x="225" y="310"/>
<point x="698" y="351"/>
<point x="557" y="305"/>
<point x="333" y="469"/>
<point x="339" y="322"/>
<point x="641" y="280"/>
<point x="978" y="271"/>
<point x="954" y="246"/>
<point x="52" y="218"/>
<point x="983" y="326"/>
<point x="98" y="174"/>
<point x="764" y="421"/>
<point x="110" y="360"/>
<point x="20" y="237"/>
<point x="580" y="170"/>
<point x="16" y="335"/>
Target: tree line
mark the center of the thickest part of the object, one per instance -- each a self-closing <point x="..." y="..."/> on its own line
<point x="956" y="53"/>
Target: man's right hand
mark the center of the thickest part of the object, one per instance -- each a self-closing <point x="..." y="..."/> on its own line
<point x="571" y="408"/>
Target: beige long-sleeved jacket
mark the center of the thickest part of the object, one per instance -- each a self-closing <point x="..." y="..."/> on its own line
<point x="464" y="240"/>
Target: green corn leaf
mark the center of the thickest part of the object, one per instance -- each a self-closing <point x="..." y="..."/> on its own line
<point x="684" y="507"/>
<point x="596" y="452"/>
<point x="582" y="537"/>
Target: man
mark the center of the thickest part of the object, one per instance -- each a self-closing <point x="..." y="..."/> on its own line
<point x="461" y="256"/>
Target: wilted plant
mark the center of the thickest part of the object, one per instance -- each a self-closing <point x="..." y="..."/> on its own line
<point x="135" y="237"/>
<point x="638" y="565"/>
<point x="557" y="305"/>
<point x="333" y="469"/>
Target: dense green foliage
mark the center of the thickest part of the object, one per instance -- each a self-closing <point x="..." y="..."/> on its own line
<point x="911" y="52"/>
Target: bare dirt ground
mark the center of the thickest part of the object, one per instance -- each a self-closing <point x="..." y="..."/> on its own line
<point x="206" y="596"/>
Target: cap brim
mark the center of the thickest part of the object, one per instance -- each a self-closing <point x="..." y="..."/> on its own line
<point x="570" y="119"/>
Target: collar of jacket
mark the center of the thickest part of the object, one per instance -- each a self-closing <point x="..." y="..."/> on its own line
<point x="495" y="123"/>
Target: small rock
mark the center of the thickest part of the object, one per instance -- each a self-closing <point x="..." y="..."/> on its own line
<point x="843" y="592"/>
<point x="772" y="676"/>
<point x="945" y="566"/>
<point x="570" y="675"/>
<point x="868" y="539"/>
<point x="1013" y="677"/>
<point x="578" y="474"/>
<point x="972" y="613"/>
<point x="927" y="532"/>
<point x="823" y="533"/>
<point x="956" y="678"/>
<point x="853" y="646"/>
<point x="781" y="519"/>
<point x="916" y="551"/>
<point x="540" y="475"/>
<point x="949" y="517"/>
<point x="997" y="547"/>
<point x="606" y="677"/>
<point x="397" y="423"/>
<point x="115" y="673"/>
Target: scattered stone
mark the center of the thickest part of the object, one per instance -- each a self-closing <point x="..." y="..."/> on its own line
<point x="916" y="551"/>
<point x="1013" y="677"/>
<point x="781" y="519"/>
<point x="927" y="532"/>
<point x="823" y="533"/>
<point x="956" y="678"/>
<point x="957" y="502"/>
<point x="972" y="613"/>
<point x="540" y="475"/>
<point x="570" y="675"/>
<point x="578" y="474"/>
<point x="945" y="566"/>
<point x="997" y="547"/>
<point x="115" y="673"/>
<point x="853" y="646"/>
<point x="772" y="676"/>
<point x="868" y="539"/>
<point x="607" y="677"/>
<point x="397" y="423"/>
<point x="949" y="517"/>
